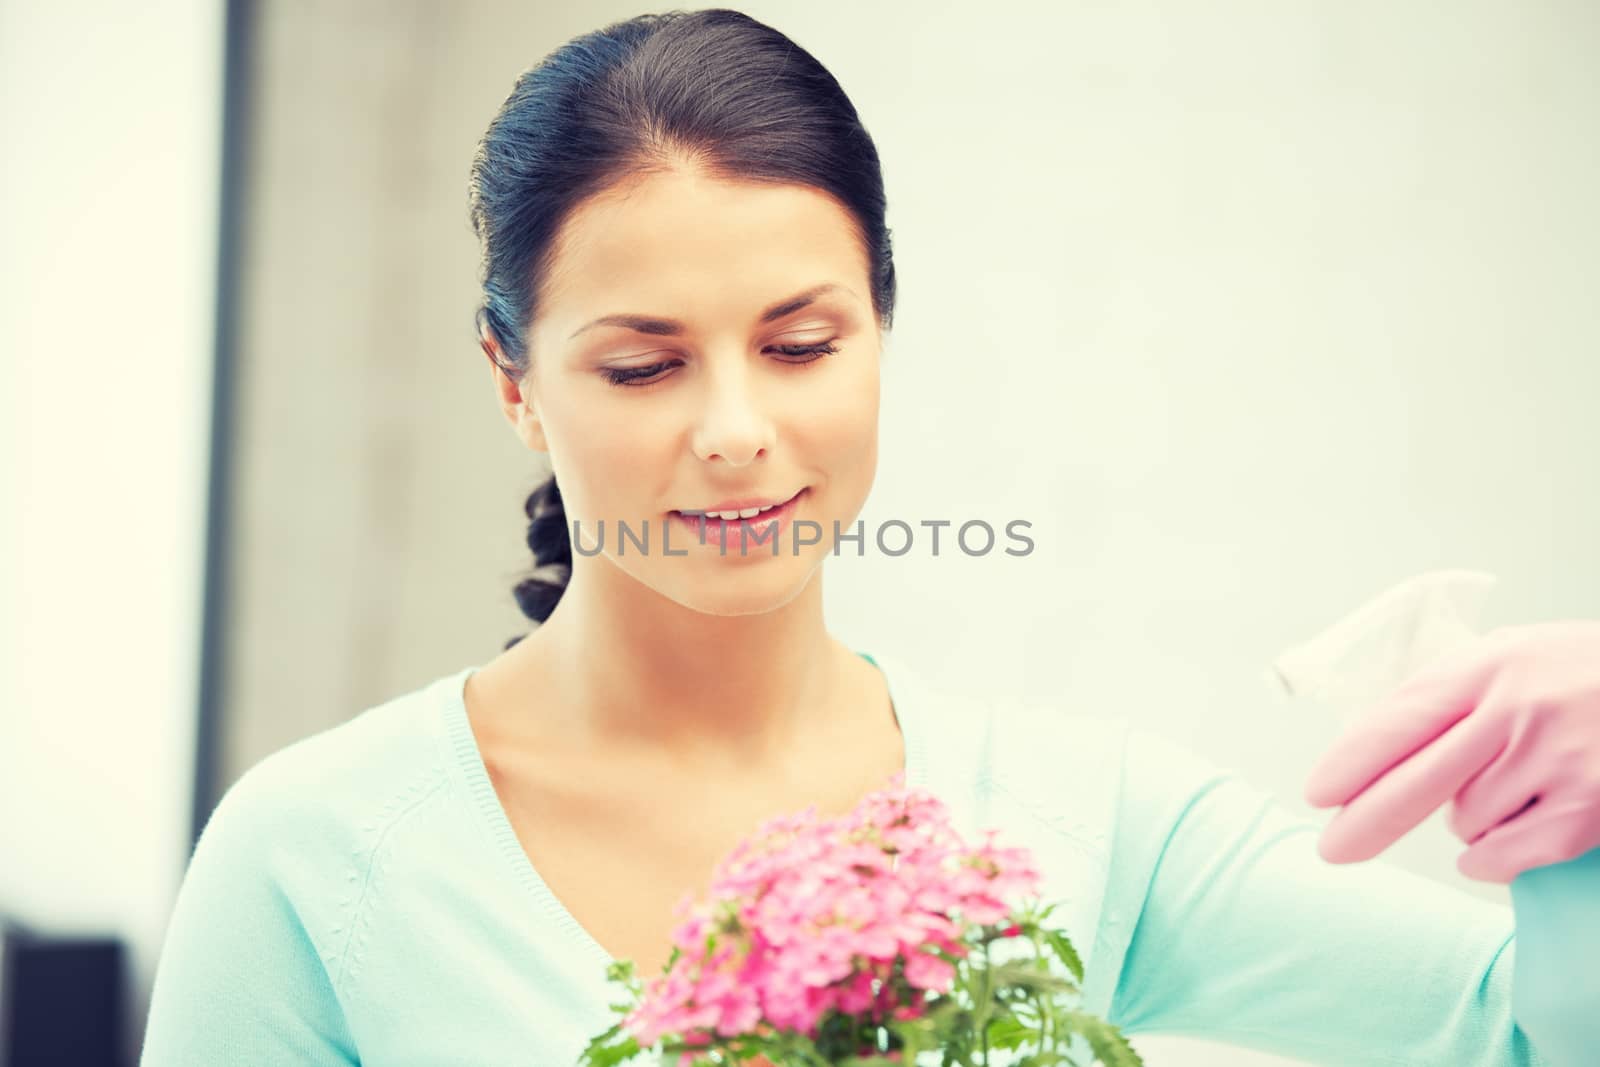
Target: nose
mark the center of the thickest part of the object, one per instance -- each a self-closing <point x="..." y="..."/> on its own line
<point x="733" y="425"/>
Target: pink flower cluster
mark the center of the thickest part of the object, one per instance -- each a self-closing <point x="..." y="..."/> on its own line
<point x="810" y="916"/>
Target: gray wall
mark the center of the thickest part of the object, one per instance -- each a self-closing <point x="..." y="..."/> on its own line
<point x="378" y="491"/>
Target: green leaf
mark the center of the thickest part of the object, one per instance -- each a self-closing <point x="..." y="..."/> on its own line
<point x="1027" y="974"/>
<point x="1110" y="1047"/>
<point x="1010" y="1032"/>
<point x="1064" y="950"/>
<point x="601" y="1053"/>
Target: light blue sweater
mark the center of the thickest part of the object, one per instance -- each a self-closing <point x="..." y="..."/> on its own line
<point x="360" y="897"/>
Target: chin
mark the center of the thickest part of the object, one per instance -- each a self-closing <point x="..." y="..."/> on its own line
<point x="745" y="590"/>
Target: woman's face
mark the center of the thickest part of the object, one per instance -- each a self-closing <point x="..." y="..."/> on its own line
<point x="720" y="399"/>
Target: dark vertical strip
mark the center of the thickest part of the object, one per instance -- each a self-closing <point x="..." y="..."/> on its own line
<point x="236" y="78"/>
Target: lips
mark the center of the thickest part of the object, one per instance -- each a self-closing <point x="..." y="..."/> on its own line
<point x="769" y="526"/>
<point x="768" y="503"/>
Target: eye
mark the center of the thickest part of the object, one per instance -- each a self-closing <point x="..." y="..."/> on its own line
<point x="626" y="377"/>
<point x="634" y="377"/>
<point x="813" y="352"/>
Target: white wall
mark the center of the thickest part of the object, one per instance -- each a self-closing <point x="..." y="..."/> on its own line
<point x="109" y="128"/>
<point x="1254" y="310"/>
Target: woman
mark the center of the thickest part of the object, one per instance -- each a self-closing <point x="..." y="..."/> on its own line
<point x="687" y="280"/>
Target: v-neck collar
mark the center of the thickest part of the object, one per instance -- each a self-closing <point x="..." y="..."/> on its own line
<point x="485" y="802"/>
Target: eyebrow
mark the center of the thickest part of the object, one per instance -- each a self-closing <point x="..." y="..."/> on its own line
<point x="671" y="327"/>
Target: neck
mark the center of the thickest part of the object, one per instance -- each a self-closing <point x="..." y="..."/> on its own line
<point x="637" y="672"/>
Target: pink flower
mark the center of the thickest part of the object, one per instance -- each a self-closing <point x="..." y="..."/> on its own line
<point x="809" y="917"/>
<point x="929" y="972"/>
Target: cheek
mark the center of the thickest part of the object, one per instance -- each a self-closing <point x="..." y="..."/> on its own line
<point x="841" y="430"/>
<point x="602" y="461"/>
<point x="618" y="467"/>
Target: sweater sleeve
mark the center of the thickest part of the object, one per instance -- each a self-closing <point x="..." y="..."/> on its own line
<point x="1247" y="937"/>
<point x="1557" y="987"/>
<point x="240" y="978"/>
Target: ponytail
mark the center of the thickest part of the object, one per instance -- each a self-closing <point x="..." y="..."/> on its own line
<point x="538" y="594"/>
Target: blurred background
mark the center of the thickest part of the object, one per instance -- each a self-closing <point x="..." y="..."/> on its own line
<point x="1252" y="310"/>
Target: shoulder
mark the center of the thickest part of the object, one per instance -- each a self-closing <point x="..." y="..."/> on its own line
<point x="307" y="814"/>
<point x="285" y="855"/>
<point x="960" y="711"/>
<point x="1047" y="755"/>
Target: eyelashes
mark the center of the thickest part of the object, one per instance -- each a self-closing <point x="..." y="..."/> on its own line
<point x="635" y="377"/>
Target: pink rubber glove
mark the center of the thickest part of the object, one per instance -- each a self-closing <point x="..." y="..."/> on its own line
<point x="1506" y="728"/>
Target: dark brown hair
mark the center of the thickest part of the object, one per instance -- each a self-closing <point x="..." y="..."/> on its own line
<point x="716" y="86"/>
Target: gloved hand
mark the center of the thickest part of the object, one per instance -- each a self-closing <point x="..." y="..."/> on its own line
<point x="1506" y="728"/>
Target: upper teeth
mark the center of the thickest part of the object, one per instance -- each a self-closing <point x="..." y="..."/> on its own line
<point x="742" y="513"/>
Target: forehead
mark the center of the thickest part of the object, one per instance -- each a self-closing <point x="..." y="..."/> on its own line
<point x="697" y="248"/>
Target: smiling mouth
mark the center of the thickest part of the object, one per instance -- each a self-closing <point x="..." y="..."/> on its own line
<point x="760" y="516"/>
<point x="705" y="523"/>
